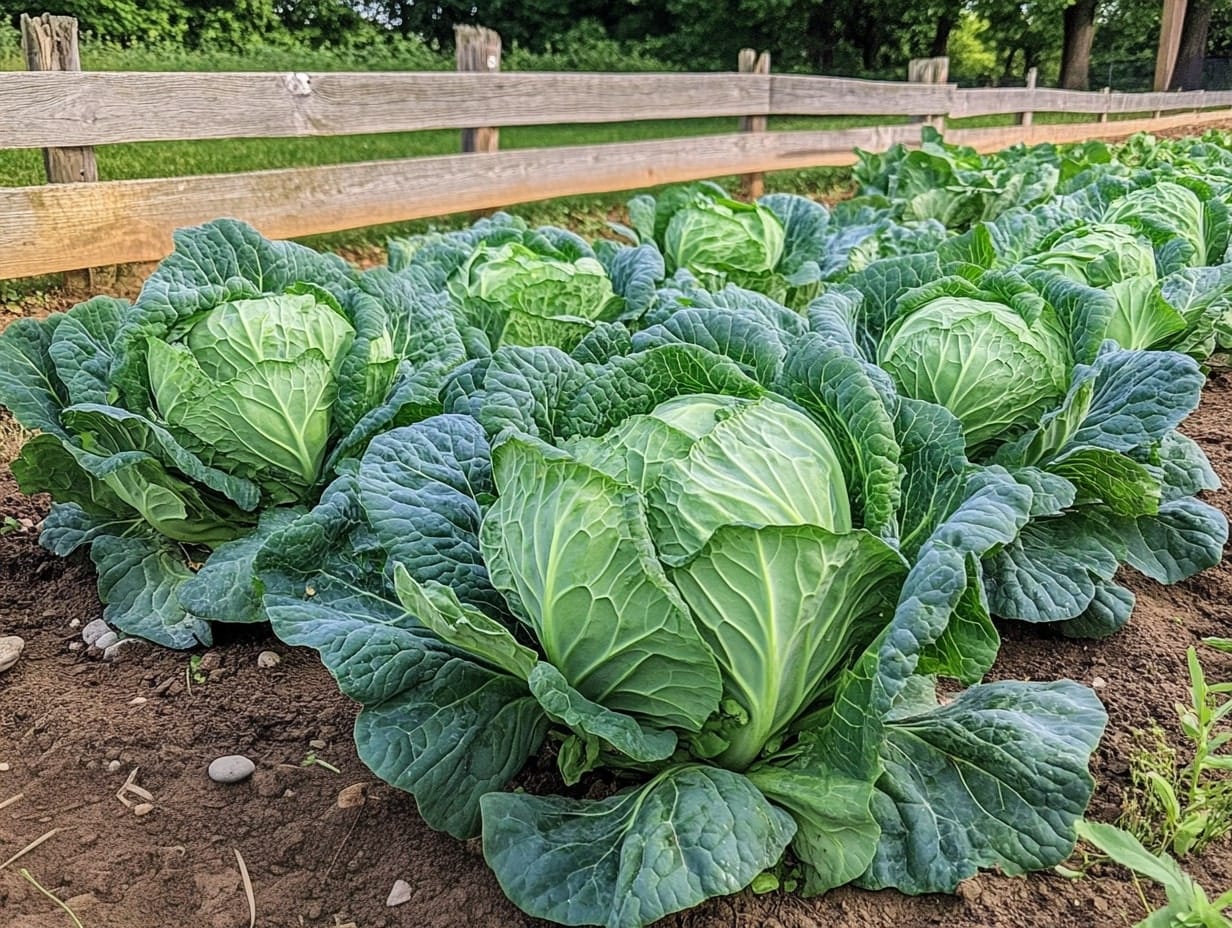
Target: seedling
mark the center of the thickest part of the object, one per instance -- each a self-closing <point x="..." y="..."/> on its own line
<point x="311" y="760"/>
<point x="9" y="525"/>
<point x="1188" y="904"/>
<point x="1182" y="807"/>
<point x="193" y="673"/>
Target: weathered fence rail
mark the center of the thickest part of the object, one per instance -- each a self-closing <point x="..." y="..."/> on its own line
<point x="66" y="226"/>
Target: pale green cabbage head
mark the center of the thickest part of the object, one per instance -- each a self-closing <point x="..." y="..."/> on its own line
<point x="520" y="297"/>
<point x="981" y="360"/>
<point x="1098" y="255"/>
<point x="250" y="385"/>
<point x="718" y="236"/>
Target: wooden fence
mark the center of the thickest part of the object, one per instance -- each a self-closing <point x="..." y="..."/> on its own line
<point x="62" y="226"/>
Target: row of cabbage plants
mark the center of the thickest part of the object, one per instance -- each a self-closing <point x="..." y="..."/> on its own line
<point x="706" y="511"/>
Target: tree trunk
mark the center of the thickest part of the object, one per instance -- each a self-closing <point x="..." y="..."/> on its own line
<point x="820" y="36"/>
<point x="1008" y="71"/>
<point x="1187" y="75"/>
<point x="1076" y="52"/>
<point x="870" y="45"/>
<point x="941" y="36"/>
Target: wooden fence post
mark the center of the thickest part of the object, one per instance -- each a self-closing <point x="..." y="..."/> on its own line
<point x="752" y="63"/>
<point x="49" y="43"/>
<point x="478" y="49"/>
<point x="1107" y="91"/>
<point x="929" y="71"/>
<point x="1025" y="118"/>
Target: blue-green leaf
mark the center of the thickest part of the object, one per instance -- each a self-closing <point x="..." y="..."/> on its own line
<point x="628" y="860"/>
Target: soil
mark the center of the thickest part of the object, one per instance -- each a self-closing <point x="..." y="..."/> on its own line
<point x="74" y="729"/>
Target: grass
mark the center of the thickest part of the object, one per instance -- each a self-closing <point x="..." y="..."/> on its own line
<point x="12" y="436"/>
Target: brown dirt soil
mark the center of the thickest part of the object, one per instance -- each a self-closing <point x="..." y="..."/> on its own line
<point x="64" y="717"/>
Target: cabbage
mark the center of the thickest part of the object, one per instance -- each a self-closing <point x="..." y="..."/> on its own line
<point x="982" y="360"/>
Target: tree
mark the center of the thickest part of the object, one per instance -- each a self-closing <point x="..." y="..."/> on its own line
<point x="1187" y="75"/>
<point x="1079" y="21"/>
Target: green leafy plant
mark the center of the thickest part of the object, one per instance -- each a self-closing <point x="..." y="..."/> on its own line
<point x="1188" y="905"/>
<point x="667" y="569"/>
<point x="174" y="432"/>
<point x="1182" y="805"/>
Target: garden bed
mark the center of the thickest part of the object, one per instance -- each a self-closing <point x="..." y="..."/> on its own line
<point x="65" y="717"/>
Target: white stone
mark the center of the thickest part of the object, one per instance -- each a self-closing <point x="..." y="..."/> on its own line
<point x="94" y="630"/>
<point x="10" y="649"/>
<point x="103" y="642"/>
<point x="399" y="894"/>
<point x="231" y="769"/>
<point x="268" y="659"/>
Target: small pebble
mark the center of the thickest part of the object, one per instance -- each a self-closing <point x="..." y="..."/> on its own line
<point x="399" y="894"/>
<point x="316" y="744"/>
<point x="113" y="652"/>
<point x="1099" y="683"/>
<point x="5" y="768"/>
<point x="210" y="660"/>
<point x="142" y="808"/>
<point x="113" y="766"/>
<point x="352" y="796"/>
<point x="231" y="769"/>
<point x="74" y="623"/>
<point x="93" y="631"/>
<point x="76" y="645"/>
<point x="268" y="659"/>
<point x="103" y="642"/>
<point x="10" y="649"/>
<point x="137" y="701"/>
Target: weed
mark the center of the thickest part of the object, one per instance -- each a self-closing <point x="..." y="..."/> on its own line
<point x="12" y="436"/>
<point x="1176" y="805"/>
<point x="1188" y="904"/>
<point x="193" y="673"/>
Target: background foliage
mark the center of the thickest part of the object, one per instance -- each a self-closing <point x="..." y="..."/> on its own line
<point x="989" y="41"/>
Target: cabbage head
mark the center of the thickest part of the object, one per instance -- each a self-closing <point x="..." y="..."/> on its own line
<point x="518" y="296"/>
<point x="1185" y="231"/>
<point x="1099" y="255"/>
<point x="719" y="237"/>
<point x="249" y="385"/>
<point x="683" y="593"/>
<point x="177" y="431"/>
<point x="982" y="359"/>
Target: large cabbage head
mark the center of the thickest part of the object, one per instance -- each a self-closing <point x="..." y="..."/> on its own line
<point x="249" y="386"/>
<point x="520" y="297"/>
<point x="1098" y="255"/>
<point x="726" y="519"/>
<point x="1173" y="218"/>
<point x="715" y="236"/>
<point x="980" y="359"/>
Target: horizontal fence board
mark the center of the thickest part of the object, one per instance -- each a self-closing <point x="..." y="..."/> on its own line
<point x="802" y="95"/>
<point x="61" y="226"/>
<point x="995" y="138"/>
<point x="54" y="108"/>
<point x="1000" y="100"/>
